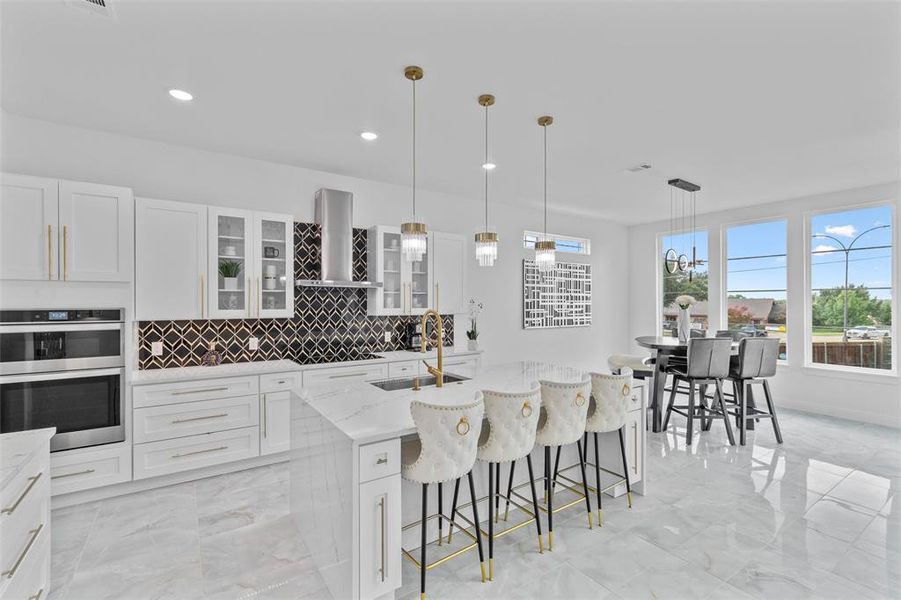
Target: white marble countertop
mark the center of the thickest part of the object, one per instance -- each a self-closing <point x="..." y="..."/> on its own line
<point x="17" y="448"/>
<point x="156" y="376"/>
<point x="365" y="413"/>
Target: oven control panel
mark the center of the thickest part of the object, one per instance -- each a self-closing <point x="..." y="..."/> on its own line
<point x="62" y="316"/>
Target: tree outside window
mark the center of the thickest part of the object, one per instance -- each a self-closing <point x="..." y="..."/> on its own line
<point x="851" y="288"/>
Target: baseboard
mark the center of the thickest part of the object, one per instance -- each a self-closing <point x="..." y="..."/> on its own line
<point x="130" y="487"/>
<point x="842" y="412"/>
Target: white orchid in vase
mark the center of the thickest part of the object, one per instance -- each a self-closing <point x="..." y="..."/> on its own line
<point x="472" y="334"/>
<point x="683" y="323"/>
<point x="685" y="301"/>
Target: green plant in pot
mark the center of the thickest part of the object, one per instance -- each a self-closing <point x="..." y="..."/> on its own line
<point x="229" y="271"/>
<point x="472" y="334"/>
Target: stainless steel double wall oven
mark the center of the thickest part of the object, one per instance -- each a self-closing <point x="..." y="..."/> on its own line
<point x="64" y="369"/>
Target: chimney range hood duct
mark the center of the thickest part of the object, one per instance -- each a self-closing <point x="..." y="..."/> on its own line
<point x="334" y="214"/>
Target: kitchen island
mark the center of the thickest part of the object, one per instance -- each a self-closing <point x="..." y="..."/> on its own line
<point x="347" y="497"/>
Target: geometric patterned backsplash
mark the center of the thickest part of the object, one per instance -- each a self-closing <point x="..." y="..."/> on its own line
<point x="329" y="324"/>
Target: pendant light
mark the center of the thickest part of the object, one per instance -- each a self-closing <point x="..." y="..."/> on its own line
<point x="486" y="241"/>
<point x="413" y="234"/>
<point x="545" y="249"/>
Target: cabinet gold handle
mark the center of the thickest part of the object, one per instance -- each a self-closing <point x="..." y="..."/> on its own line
<point x="49" y="252"/>
<point x="259" y="296"/>
<point x="186" y="392"/>
<point x="190" y="419"/>
<point x="73" y="474"/>
<point x="34" y="535"/>
<point x="38" y="595"/>
<point x="202" y="294"/>
<point x="635" y="447"/>
<point x="383" y="510"/>
<point x="65" y="253"/>
<point x="247" y="310"/>
<point x="180" y="455"/>
<point x="437" y="298"/>
<point x="381" y="461"/>
<point x="31" y="481"/>
<point x="355" y="374"/>
<point x="265" y="418"/>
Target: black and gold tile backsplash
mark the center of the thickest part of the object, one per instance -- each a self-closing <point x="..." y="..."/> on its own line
<point x="329" y="324"/>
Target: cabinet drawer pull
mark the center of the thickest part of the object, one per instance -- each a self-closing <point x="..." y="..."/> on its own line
<point x="281" y="382"/>
<point x="383" y="510"/>
<point x="34" y="535"/>
<point x="38" y="595"/>
<point x="65" y="253"/>
<point x="203" y="391"/>
<point x="383" y="460"/>
<point x="31" y="481"/>
<point x="200" y="452"/>
<point x="265" y="416"/>
<point x="190" y="419"/>
<point x="49" y="252"/>
<point x="73" y="474"/>
<point x="355" y="374"/>
<point x="635" y="446"/>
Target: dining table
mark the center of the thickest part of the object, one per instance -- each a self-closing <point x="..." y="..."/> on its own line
<point x="665" y="348"/>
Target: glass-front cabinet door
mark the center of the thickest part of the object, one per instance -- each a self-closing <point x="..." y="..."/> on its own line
<point x="406" y="287"/>
<point x="231" y="263"/>
<point x="274" y="253"/>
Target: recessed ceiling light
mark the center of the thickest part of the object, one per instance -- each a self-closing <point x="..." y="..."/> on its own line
<point x="369" y="136"/>
<point x="489" y="166"/>
<point x="181" y="95"/>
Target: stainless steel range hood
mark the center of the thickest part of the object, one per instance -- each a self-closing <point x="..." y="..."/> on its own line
<point x="334" y="214"/>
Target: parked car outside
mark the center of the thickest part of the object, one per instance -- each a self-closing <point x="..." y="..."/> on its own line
<point x="753" y="331"/>
<point x="867" y="332"/>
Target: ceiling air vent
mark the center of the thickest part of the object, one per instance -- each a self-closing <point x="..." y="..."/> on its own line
<point x="100" y="8"/>
<point x="639" y="168"/>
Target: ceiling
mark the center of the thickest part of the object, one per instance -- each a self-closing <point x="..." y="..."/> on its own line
<point x="754" y="101"/>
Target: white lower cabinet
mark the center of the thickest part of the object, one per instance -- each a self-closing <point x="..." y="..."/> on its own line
<point x="347" y="374"/>
<point x="191" y="418"/>
<point x="635" y="444"/>
<point x="196" y="451"/>
<point x="275" y="422"/>
<point x="465" y="366"/>
<point x="81" y="469"/>
<point x="380" y="528"/>
<point x="409" y="368"/>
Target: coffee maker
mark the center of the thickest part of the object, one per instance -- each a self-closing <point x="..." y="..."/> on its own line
<point x="414" y="336"/>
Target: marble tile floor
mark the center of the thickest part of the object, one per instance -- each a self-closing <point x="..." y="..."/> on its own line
<point x="817" y="517"/>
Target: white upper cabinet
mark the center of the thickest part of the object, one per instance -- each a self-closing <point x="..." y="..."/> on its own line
<point x="171" y="260"/>
<point x="274" y="265"/>
<point x="406" y="286"/>
<point x="86" y="230"/>
<point x="259" y="248"/>
<point x="231" y="263"/>
<point x="449" y="272"/>
<point x="29" y="220"/>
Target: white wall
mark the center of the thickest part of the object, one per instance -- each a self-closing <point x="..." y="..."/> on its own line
<point x="865" y="397"/>
<point x="158" y="170"/>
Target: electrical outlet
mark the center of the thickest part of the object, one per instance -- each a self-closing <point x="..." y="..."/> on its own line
<point x="156" y="348"/>
<point x="388" y="336"/>
<point x="253" y="344"/>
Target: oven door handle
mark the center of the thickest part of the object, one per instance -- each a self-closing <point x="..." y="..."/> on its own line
<point x="32" y="377"/>
<point x="62" y="327"/>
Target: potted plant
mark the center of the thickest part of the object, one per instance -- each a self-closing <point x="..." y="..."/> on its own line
<point x="472" y="334"/>
<point x="683" y="323"/>
<point x="229" y="270"/>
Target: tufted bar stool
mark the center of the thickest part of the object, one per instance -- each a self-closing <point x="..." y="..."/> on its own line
<point x="707" y="364"/>
<point x="564" y="409"/>
<point x="509" y="436"/>
<point x="610" y="397"/>
<point x="445" y="451"/>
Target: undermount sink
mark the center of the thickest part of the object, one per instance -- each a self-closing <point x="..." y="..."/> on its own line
<point x="408" y="383"/>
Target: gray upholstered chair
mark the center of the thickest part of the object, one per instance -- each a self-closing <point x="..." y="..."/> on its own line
<point x="756" y="361"/>
<point x="707" y="364"/>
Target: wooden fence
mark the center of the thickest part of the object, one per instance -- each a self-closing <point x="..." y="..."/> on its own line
<point x="872" y="354"/>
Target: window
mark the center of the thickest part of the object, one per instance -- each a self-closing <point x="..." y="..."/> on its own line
<point x="756" y="280"/>
<point x="573" y="245"/>
<point x="851" y="288"/>
<point x="692" y="283"/>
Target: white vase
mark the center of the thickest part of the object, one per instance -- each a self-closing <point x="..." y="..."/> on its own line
<point x="472" y="345"/>
<point x="230" y="283"/>
<point x="683" y="324"/>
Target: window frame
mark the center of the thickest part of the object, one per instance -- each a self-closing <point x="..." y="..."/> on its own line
<point x="724" y="274"/>
<point x="658" y="277"/>
<point x="866" y="372"/>
<point x="584" y="242"/>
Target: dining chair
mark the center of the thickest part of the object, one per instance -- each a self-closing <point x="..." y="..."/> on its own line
<point x="754" y="364"/>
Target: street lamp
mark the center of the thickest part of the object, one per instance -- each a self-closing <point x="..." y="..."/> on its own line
<point x="847" y="251"/>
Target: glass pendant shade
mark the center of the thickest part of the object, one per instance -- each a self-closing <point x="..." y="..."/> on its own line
<point x="545" y="255"/>
<point x="413" y="241"/>
<point x="486" y="248"/>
